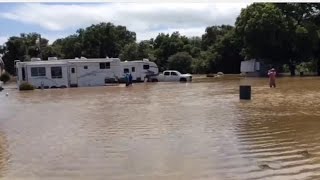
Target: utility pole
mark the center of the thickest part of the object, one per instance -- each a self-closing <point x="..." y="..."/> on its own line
<point x="38" y="42"/>
<point x="40" y="46"/>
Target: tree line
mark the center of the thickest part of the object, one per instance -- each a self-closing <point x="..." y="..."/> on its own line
<point x="282" y="34"/>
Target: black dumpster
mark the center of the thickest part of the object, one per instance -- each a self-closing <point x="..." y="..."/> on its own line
<point x="245" y="92"/>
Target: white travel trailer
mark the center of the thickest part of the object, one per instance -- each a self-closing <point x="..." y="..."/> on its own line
<point x="48" y="74"/>
<point x="94" y="72"/>
<point x="140" y="69"/>
<point x="249" y="66"/>
<point x="68" y="72"/>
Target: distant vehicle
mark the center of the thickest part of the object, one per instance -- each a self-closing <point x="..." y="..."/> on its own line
<point x="173" y="75"/>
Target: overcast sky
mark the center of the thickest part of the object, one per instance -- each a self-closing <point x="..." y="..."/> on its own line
<point x="56" y="20"/>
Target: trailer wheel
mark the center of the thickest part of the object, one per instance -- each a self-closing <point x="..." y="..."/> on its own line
<point x="154" y="80"/>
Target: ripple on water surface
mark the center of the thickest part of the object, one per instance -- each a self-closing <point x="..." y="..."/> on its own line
<point x="197" y="130"/>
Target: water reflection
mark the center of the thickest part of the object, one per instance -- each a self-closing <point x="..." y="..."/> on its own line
<point x="196" y="130"/>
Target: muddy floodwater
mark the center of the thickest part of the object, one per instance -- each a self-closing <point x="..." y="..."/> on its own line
<point x="199" y="130"/>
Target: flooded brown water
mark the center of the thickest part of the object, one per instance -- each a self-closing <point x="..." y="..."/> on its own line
<point x="198" y="130"/>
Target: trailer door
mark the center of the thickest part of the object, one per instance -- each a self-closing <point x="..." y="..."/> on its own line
<point x="73" y="76"/>
<point x="134" y="73"/>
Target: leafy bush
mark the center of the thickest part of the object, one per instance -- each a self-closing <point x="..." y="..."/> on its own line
<point x="5" y="77"/>
<point x="26" y="86"/>
<point x="307" y="67"/>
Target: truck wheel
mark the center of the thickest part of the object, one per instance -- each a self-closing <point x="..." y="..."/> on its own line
<point x="154" y="80"/>
<point x="183" y="80"/>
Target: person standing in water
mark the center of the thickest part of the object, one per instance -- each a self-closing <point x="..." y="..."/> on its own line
<point x="127" y="79"/>
<point x="272" y="77"/>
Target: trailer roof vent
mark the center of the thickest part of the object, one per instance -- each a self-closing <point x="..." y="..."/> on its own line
<point x="35" y="59"/>
<point x="52" y="58"/>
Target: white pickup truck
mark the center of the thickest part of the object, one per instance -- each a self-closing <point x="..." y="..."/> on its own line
<point x="172" y="75"/>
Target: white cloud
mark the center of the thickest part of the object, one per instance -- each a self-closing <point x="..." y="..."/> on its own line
<point x="146" y="19"/>
<point x="3" y="39"/>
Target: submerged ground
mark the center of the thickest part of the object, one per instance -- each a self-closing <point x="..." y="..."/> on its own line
<point x="198" y="130"/>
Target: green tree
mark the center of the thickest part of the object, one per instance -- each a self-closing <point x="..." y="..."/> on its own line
<point x="181" y="61"/>
<point x="134" y="51"/>
<point x="213" y="34"/>
<point x="204" y="63"/>
<point x="129" y="52"/>
<point x="51" y="51"/>
<point x="105" y="39"/>
<point x="96" y="41"/>
<point x="22" y="48"/>
<point x="145" y="50"/>
<point x="279" y="33"/>
<point x="264" y="32"/>
<point x="193" y="46"/>
<point x="166" y="45"/>
<point x="69" y="47"/>
<point x="228" y="58"/>
<point x="303" y="23"/>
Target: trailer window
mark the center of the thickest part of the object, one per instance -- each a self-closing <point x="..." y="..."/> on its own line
<point x="102" y="65"/>
<point x="73" y="70"/>
<point x="126" y="70"/>
<point x="23" y="74"/>
<point x="38" y="71"/>
<point x="85" y="67"/>
<point x="167" y="73"/>
<point x="133" y="69"/>
<point x="146" y="66"/>
<point x="56" y="72"/>
<point x="105" y="65"/>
